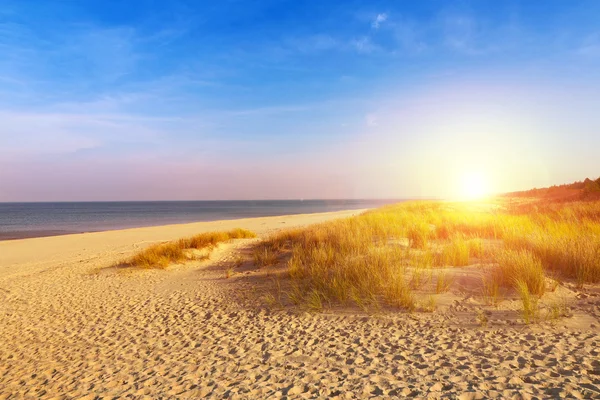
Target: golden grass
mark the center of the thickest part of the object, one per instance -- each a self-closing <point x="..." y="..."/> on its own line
<point x="443" y="282"/>
<point x="520" y="266"/>
<point x="265" y="256"/>
<point x="161" y="255"/>
<point x="530" y="303"/>
<point x="365" y="260"/>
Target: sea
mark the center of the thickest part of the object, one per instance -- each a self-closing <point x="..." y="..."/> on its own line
<point x="27" y="220"/>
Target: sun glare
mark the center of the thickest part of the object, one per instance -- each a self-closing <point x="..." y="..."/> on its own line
<point x="474" y="186"/>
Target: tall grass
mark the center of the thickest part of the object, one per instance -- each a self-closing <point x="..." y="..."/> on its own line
<point x="365" y="260"/>
<point x="571" y="250"/>
<point x="530" y="303"/>
<point x="161" y="255"/>
<point x="520" y="266"/>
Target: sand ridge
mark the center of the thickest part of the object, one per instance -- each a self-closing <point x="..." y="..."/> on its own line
<point x="69" y="330"/>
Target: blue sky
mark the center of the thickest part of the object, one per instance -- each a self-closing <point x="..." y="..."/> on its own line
<point x="107" y="100"/>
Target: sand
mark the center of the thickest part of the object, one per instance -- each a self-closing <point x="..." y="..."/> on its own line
<point x="71" y="327"/>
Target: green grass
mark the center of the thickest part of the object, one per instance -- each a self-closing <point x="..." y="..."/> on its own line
<point x="161" y="255"/>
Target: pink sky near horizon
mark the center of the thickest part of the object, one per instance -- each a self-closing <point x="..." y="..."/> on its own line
<point x="416" y="144"/>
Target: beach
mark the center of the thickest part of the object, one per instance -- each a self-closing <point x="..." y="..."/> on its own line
<point x="74" y="326"/>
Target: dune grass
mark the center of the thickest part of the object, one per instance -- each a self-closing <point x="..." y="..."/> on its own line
<point x="384" y="255"/>
<point x="161" y="255"/>
<point x="530" y="310"/>
<point x="520" y="267"/>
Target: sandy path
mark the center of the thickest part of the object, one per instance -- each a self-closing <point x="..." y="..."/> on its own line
<point x="180" y="333"/>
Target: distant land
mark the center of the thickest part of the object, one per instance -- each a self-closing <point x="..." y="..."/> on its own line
<point x="587" y="189"/>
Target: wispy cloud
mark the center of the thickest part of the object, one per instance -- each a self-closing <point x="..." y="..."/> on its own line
<point x="363" y="45"/>
<point x="379" y="19"/>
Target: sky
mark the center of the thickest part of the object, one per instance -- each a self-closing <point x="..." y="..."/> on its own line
<point x="231" y="99"/>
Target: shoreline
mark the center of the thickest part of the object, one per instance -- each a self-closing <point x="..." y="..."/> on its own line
<point x="30" y="255"/>
<point x="25" y="221"/>
<point x="18" y="235"/>
<point x="47" y="233"/>
<point x="22" y="235"/>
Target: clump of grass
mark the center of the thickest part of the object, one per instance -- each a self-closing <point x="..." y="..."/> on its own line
<point x="270" y="300"/>
<point x="443" y="282"/>
<point x="296" y="295"/>
<point x="520" y="266"/>
<point x="570" y="248"/>
<point x="265" y="256"/>
<point x="476" y="248"/>
<point x="491" y="291"/>
<point x="530" y="310"/>
<point x="161" y="255"/>
<point x="398" y="294"/>
<point x="314" y="301"/>
<point x="157" y="256"/>
<point x="456" y="253"/>
<point x="429" y="305"/>
<point x="236" y="263"/>
<point x="554" y="285"/>
<point x="418" y="236"/>
<point x="442" y="232"/>
<point x="557" y="310"/>
<point x="482" y="318"/>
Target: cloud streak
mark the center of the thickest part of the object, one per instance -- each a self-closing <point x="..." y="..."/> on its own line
<point x="379" y="19"/>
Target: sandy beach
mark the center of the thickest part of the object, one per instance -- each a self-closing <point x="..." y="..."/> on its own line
<point x="73" y="327"/>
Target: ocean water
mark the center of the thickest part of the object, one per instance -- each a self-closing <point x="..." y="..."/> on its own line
<point x="22" y="220"/>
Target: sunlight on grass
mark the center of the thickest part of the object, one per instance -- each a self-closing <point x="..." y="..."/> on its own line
<point x="161" y="255"/>
<point x="520" y="266"/>
<point x="384" y="255"/>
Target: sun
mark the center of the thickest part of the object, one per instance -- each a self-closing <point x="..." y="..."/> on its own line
<point x="474" y="186"/>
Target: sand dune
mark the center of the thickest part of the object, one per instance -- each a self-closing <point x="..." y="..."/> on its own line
<point x="68" y="327"/>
